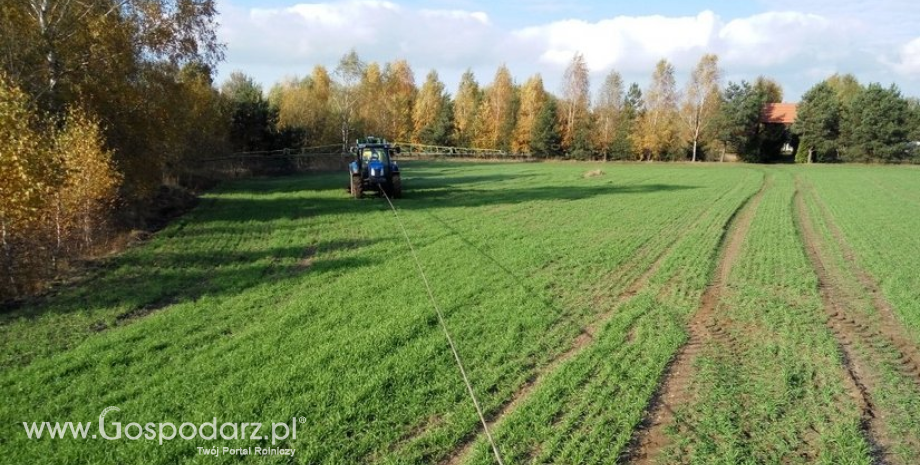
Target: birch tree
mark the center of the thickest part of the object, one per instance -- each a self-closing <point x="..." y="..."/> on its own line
<point x="576" y="99"/>
<point x="701" y="102"/>
<point x="608" y="113"/>
<point x="349" y="73"/>
<point x="466" y="110"/>
<point x="657" y="130"/>
<point x="498" y="111"/>
<point x="533" y="97"/>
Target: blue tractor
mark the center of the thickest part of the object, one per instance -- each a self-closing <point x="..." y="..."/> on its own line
<point x="373" y="168"/>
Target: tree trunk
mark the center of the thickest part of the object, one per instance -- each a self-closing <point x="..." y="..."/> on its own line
<point x="87" y="226"/>
<point x="51" y="59"/>
<point x="7" y="253"/>
<point x="694" y="150"/>
<point x="57" y="231"/>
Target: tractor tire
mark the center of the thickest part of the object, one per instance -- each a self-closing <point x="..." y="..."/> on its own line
<point x="396" y="187"/>
<point x="357" y="188"/>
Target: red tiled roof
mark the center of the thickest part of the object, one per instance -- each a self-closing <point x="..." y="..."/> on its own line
<point x="781" y="113"/>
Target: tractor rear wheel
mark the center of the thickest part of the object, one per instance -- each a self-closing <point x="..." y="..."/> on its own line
<point x="357" y="188"/>
<point x="396" y="187"/>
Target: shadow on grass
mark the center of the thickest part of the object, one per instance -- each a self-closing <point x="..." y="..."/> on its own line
<point x="139" y="283"/>
<point x="417" y="197"/>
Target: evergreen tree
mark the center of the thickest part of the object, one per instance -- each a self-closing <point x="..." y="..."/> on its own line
<point x="875" y="127"/>
<point x="622" y="147"/>
<point x="252" y="119"/>
<point x="818" y="124"/>
<point x="739" y="119"/>
<point x="545" y="141"/>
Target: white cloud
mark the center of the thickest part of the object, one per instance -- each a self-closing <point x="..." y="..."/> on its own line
<point x="793" y="46"/>
<point x="909" y="63"/>
<point x="773" y="38"/>
<point x="628" y="42"/>
<point x="295" y="38"/>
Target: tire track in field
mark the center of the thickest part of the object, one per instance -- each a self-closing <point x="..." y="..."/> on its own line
<point x="888" y="325"/>
<point x="650" y="438"/>
<point x="581" y="342"/>
<point x="858" y="378"/>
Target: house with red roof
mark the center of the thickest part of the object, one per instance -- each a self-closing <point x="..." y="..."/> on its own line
<point x="777" y="119"/>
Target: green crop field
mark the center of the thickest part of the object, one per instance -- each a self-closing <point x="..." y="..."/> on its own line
<point x="654" y="313"/>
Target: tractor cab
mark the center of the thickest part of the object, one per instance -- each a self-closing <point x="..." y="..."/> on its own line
<point x="374" y="168"/>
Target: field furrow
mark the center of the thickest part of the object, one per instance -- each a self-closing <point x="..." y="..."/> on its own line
<point x="874" y="349"/>
<point x="585" y="338"/>
<point x="563" y="421"/>
<point x="651" y="438"/>
<point x="770" y="386"/>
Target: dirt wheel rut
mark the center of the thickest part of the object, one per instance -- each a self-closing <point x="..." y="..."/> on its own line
<point x="887" y="328"/>
<point x="849" y="332"/>
<point x="704" y="328"/>
<point x="582" y="342"/>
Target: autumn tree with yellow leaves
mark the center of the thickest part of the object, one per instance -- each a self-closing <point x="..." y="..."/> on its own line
<point x="656" y="135"/>
<point x="533" y="98"/>
<point x="498" y="111"/>
<point x="467" y="118"/>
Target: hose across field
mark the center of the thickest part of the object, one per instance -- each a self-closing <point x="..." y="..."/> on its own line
<point x="450" y="340"/>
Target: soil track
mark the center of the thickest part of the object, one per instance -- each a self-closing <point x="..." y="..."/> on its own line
<point x="650" y="438"/>
<point x="888" y="324"/>
<point x="880" y="340"/>
<point x="582" y="342"/>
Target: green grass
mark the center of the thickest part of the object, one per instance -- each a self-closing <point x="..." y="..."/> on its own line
<point x="878" y="212"/>
<point x="280" y="298"/>
<point x="771" y="390"/>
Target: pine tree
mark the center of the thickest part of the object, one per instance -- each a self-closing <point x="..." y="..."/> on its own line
<point x="875" y="127"/>
<point x="739" y="120"/>
<point x="545" y="140"/>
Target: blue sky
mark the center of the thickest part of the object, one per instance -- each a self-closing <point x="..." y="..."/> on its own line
<point x="797" y="42"/>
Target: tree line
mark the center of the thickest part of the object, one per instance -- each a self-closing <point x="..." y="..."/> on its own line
<point x="105" y="102"/>
<point x="703" y="119"/>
